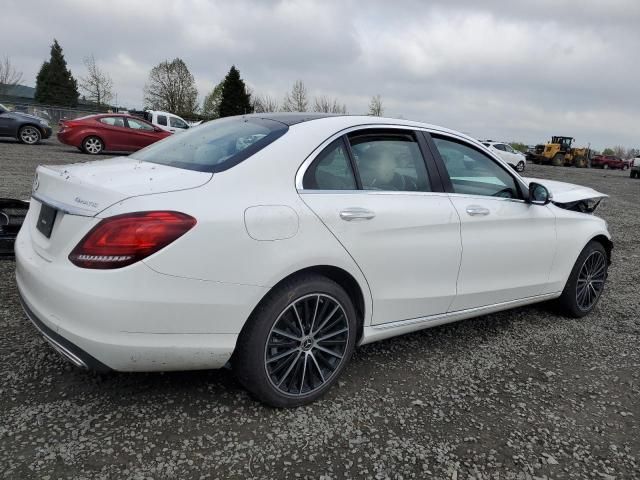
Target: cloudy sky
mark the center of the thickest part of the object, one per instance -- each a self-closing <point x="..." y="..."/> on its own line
<point x="510" y="70"/>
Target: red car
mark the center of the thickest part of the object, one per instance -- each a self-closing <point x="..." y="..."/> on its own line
<point x="109" y="131"/>
<point x="609" y="161"/>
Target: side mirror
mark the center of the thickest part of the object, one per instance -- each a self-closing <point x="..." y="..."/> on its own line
<point x="538" y="194"/>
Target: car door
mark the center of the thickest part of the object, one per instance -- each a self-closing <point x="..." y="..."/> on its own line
<point x="8" y="124"/>
<point x="113" y="132"/>
<point x="140" y="134"/>
<point x="374" y="191"/>
<point x="508" y="244"/>
<point x="177" y="125"/>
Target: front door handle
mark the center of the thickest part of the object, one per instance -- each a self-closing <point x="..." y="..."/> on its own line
<point x="477" y="210"/>
<point x="351" y="214"/>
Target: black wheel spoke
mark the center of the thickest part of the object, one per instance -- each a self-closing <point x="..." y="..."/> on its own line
<point x="591" y="280"/>
<point x="307" y="344"/>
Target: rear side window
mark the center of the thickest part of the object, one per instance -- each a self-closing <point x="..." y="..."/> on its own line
<point x="331" y="170"/>
<point x="113" y="121"/>
<point x="214" y="146"/>
<point x="389" y="161"/>
<point x="499" y="146"/>
<point x="162" y="120"/>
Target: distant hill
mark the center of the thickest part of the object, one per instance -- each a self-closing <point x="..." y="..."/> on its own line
<point x="19" y="91"/>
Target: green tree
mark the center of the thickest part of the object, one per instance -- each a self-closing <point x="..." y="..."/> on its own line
<point x="608" y="151"/>
<point x="171" y="87"/>
<point x="54" y="84"/>
<point x="211" y="104"/>
<point x="235" y="100"/>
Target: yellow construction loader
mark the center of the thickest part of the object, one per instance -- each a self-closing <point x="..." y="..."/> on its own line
<point x="559" y="152"/>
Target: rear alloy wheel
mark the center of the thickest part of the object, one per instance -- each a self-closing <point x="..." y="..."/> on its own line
<point x="520" y="166"/>
<point x="92" y="145"/>
<point x="297" y="342"/>
<point x="605" y="166"/>
<point x="558" y="160"/>
<point x="29" y="135"/>
<point x="586" y="282"/>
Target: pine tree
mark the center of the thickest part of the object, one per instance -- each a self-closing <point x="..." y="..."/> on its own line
<point x="235" y="99"/>
<point x="54" y="84"/>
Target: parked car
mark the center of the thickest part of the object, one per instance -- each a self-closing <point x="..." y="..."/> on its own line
<point x="165" y="120"/>
<point x="280" y="242"/>
<point x="609" y="161"/>
<point x="505" y="151"/>
<point x="95" y="134"/>
<point x="635" y="168"/>
<point x="26" y="128"/>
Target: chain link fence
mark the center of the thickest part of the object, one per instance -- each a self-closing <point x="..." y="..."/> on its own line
<point x="53" y="114"/>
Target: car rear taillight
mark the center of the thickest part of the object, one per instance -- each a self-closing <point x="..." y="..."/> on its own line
<point x="125" y="239"/>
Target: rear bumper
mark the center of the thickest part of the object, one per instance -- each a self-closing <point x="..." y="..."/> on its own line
<point x="72" y="352"/>
<point x="131" y="319"/>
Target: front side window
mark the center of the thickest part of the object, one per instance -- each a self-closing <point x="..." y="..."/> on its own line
<point x="138" y="125"/>
<point x="473" y="172"/>
<point x="177" y="123"/>
<point x="214" y="146"/>
<point x="500" y="147"/>
<point x="162" y="120"/>
<point x="389" y="161"/>
<point x="331" y="170"/>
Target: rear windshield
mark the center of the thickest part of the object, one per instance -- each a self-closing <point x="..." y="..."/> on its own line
<point x="214" y="146"/>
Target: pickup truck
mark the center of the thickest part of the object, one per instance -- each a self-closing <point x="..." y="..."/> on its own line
<point x="609" y="161"/>
<point x="164" y="120"/>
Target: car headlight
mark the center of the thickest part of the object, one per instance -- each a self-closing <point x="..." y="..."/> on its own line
<point x="43" y="122"/>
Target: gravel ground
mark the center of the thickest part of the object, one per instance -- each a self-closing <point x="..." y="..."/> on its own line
<point x="520" y="394"/>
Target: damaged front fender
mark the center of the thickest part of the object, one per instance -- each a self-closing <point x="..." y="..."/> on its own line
<point x="570" y="196"/>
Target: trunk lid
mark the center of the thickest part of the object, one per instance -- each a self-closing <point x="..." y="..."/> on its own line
<point x="88" y="188"/>
<point x="79" y="192"/>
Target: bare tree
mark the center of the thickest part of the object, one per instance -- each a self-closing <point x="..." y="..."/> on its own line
<point x="97" y="84"/>
<point x="9" y="76"/>
<point x="620" y="151"/>
<point x="328" y="105"/>
<point x="375" y="106"/>
<point x="264" y="104"/>
<point x="171" y="87"/>
<point x="211" y="104"/>
<point x="296" y="100"/>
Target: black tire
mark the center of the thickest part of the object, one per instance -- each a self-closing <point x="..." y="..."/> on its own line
<point x="259" y="341"/>
<point x="29" y="135"/>
<point x="580" y="161"/>
<point x="558" y="160"/>
<point x="520" y="166"/>
<point x="93" y="145"/>
<point x="633" y="174"/>
<point x="569" y="302"/>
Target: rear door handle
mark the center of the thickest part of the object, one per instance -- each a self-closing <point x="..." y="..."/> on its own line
<point x="477" y="210"/>
<point x="351" y="214"/>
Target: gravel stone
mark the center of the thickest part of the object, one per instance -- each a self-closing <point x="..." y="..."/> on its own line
<point x="520" y="394"/>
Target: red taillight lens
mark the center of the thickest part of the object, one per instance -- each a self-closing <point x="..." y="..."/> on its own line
<point x="125" y="239"/>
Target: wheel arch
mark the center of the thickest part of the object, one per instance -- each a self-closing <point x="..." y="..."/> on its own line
<point x="606" y="243"/>
<point x="29" y="124"/>
<point x="93" y="134"/>
<point x="339" y="275"/>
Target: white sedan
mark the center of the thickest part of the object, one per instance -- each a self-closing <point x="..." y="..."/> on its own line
<point x="507" y="153"/>
<point x="280" y="242"/>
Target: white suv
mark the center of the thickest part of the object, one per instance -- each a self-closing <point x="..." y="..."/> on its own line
<point x="506" y="152"/>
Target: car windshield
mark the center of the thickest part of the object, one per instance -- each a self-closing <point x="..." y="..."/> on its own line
<point x="214" y="146"/>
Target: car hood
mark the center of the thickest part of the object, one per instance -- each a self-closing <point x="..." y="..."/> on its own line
<point x="563" y="192"/>
<point x="25" y="116"/>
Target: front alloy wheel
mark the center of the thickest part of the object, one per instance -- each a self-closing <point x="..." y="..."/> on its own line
<point x="591" y="278"/>
<point x="520" y="166"/>
<point x="297" y="342"/>
<point x="29" y="135"/>
<point x="306" y="344"/>
<point x="586" y="281"/>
